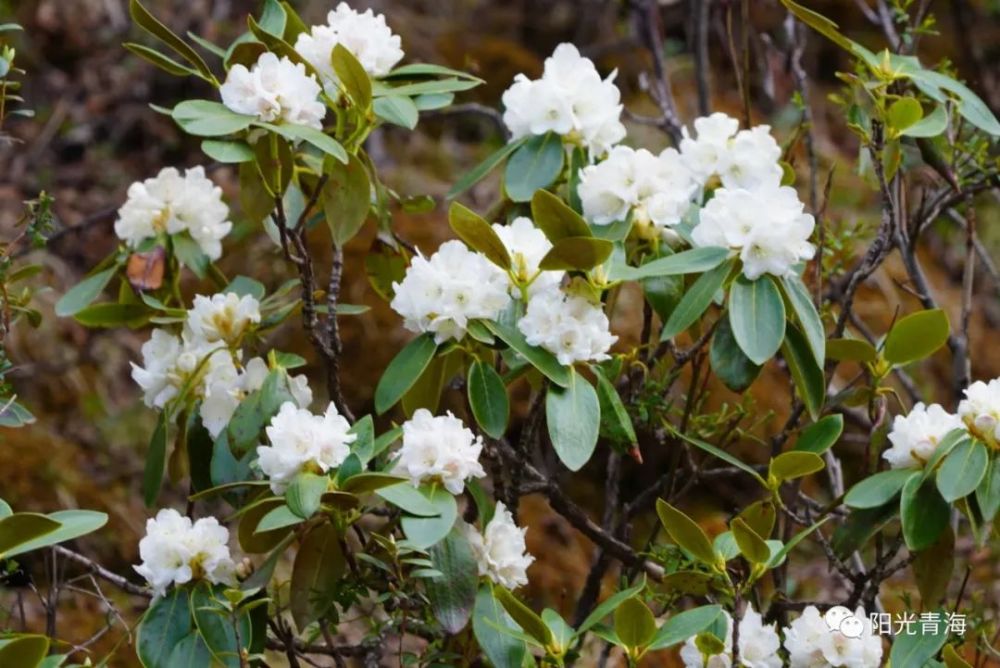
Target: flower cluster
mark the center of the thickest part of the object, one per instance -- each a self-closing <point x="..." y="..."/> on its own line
<point x="980" y="410"/>
<point x="811" y="641"/>
<point x="439" y="449"/>
<point x="767" y="225"/>
<point x="747" y="159"/>
<point x="568" y="325"/>
<point x="570" y="99"/>
<point x="916" y="436"/>
<point x="302" y="441"/>
<point x="442" y="293"/>
<point x="207" y="356"/>
<point x="500" y="550"/>
<point x="274" y="90"/>
<point x="177" y="551"/>
<point x="655" y="190"/>
<point x="172" y="203"/>
<point x="759" y="645"/>
<point x="366" y="35"/>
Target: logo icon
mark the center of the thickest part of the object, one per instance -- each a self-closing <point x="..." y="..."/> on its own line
<point x="841" y="619"/>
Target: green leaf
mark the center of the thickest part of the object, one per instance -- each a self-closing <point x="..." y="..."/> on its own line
<point x="608" y="606"/>
<point x="752" y="546"/>
<point x="971" y="106"/>
<point x="164" y="625"/>
<point x="696" y="300"/>
<point x="84" y="292"/>
<point x="113" y="315"/>
<point x="215" y="627"/>
<point x="279" y="517"/>
<point x="191" y="651"/>
<point x="943" y="449"/>
<point x="453" y="596"/>
<point x="808" y="377"/>
<point x="23" y="650"/>
<point x="72" y="524"/>
<point x="693" y="261"/>
<point x="398" y="110"/>
<point x="555" y="218"/>
<point x="850" y="350"/>
<point x="430" y="70"/>
<point x="433" y="87"/>
<point x="533" y="166"/>
<point x="407" y="497"/>
<point x="150" y="24"/>
<point x="205" y="118"/>
<point x="478" y="234"/>
<point x="304" y="493"/>
<point x="952" y="659"/>
<point x="403" y="371"/>
<point x="962" y="471"/>
<point x="424" y="532"/>
<point x="562" y="634"/>
<point x="352" y="76"/>
<point x="573" y="416"/>
<point x="488" y="398"/>
<point x="757" y="315"/>
<point x="229" y="152"/>
<point x="634" y="623"/>
<point x="779" y="556"/>
<point x="759" y="516"/>
<point x="859" y="527"/>
<point x="319" y="566"/>
<point x="365" y="482"/>
<point x="539" y="358"/>
<point x="988" y="492"/>
<point x="820" y="436"/>
<point x="346" y="198"/>
<point x="721" y="454"/>
<point x="933" y="568"/>
<point x="479" y="172"/>
<point x="931" y="125"/>
<point x="903" y="113"/>
<point x="879" y="488"/>
<point x="794" y="464"/>
<point x="805" y="313"/>
<point x="916" y="336"/>
<point x="616" y="423"/>
<point x="686" y="533"/>
<point x="524" y="616"/>
<point x="730" y="364"/>
<point x="310" y="135"/>
<point x="579" y="253"/>
<point x="256" y="410"/>
<point x="684" y="625"/>
<point x="156" y="460"/>
<point x="918" y="648"/>
<point x="168" y="65"/>
<point x="923" y="512"/>
<point x="21" y="529"/>
<point x="501" y="649"/>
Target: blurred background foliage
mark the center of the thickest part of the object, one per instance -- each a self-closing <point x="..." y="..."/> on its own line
<point x="94" y="134"/>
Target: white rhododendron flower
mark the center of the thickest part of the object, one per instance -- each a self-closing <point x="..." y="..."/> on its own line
<point x="980" y="410"/>
<point x="759" y="645"/>
<point x="706" y="151"/>
<point x="751" y="160"/>
<point x="570" y="99"/>
<point x="442" y="293"/>
<point x="569" y="326"/>
<point x="916" y="436"/>
<point x="172" y="203"/>
<point x="222" y="393"/>
<point x="811" y="643"/>
<point x="222" y="317"/>
<point x="744" y="159"/>
<point x="175" y="551"/>
<point x="301" y="441"/>
<point x="767" y="225"/>
<point x="439" y="449"/>
<point x="169" y="361"/>
<point x="527" y="245"/>
<point x="365" y="35"/>
<point x="274" y="90"/>
<point x="500" y="550"/>
<point x="656" y="190"/>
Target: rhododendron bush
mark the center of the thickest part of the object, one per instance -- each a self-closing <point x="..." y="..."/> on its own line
<point x="581" y="321"/>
